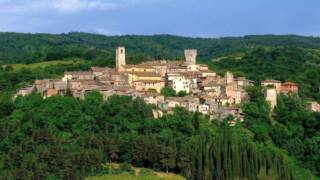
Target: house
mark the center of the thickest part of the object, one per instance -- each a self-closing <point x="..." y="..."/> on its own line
<point x="203" y="67"/>
<point x="273" y="83"/>
<point x="226" y="101"/>
<point x="60" y="86"/>
<point x="208" y="73"/>
<point x="204" y="108"/>
<point x="193" y="67"/>
<point x="243" y="82"/>
<point x="213" y="86"/>
<point x="50" y="92"/>
<point x="191" y="103"/>
<point x="313" y="106"/>
<point x="25" y="91"/>
<point x="173" y="102"/>
<point x="178" y="82"/>
<point x="289" y="87"/>
<point x="224" y="112"/>
<point x="78" y="75"/>
<point x="147" y="85"/>
<point x="234" y="111"/>
<point x="139" y="76"/>
<point x="153" y="98"/>
<point x="237" y="95"/>
<point x="100" y="71"/>
<point x="140" y="68"/>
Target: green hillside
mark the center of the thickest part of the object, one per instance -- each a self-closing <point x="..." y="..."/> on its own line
<point x="26" y="48"/>
<point x="67" y="138"/>
<point x="44" y="64"/>
<point x="63" y="137"/>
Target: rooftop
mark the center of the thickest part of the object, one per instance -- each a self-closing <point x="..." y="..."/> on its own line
<point x="145" y="74"/>
<point x="288" y="83"/>
<point x="149" y="81"/>
<point x="78" y="73"/>
<point x="101" y="69"/>
<point x="271" y="81"/>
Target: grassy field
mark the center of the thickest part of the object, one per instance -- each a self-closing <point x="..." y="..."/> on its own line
<point x="43" y="64"/>
<point x="139" y="174"/>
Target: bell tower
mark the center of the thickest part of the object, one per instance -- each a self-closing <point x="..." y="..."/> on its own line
<point x="120" y="58"/>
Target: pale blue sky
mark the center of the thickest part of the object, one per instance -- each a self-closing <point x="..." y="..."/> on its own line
<point x="203" y="18"/>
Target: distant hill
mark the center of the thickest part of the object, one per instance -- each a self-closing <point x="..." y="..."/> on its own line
<point x="29" y="48"/>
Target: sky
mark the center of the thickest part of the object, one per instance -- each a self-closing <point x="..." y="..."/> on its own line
<point x="195" y="18"/>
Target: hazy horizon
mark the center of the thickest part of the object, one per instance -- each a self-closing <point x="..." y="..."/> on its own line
<point x="188" y="18"/>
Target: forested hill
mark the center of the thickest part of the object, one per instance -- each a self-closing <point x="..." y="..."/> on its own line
<point x="27" y="48"/>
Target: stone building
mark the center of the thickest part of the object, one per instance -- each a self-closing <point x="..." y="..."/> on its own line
<point x="178" y="82"/>
<point x="143" y="76"/>
<point x="191" y="56"/>
<point x="78" y="75"/>
<point x="153" y="98"/>
<point x="271" y="96"/>
<point x="289" y="87"/>
<point x="120" y="58"/>
<point x="273" y="83"/>
<point x="229" y="78"/>
<point x="100" y="71"/>
<point x="147" y="85"/>
<point x="25" y="91"/>
<point x="204" y="108"/>
<point x="313" y="106"/>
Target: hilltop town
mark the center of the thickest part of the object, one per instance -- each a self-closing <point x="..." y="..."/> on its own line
<point x="202" y="90"/>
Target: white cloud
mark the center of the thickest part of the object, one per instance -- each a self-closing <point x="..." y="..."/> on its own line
<point x="104" y="31"/>
<point x="64" y="6"/>
<point x="78" y="5"/>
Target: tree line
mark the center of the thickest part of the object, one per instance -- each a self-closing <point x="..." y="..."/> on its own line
<point x="30" y="48"/>
<point x="66" y="138"/>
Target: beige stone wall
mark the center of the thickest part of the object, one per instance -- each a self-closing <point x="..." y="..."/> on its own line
<point x="271" y="96"/>
<point x="229" y="78"/>
<point x="191" y="56"/>
<point x="120" y="58"/>
<point x="277" y="85"/>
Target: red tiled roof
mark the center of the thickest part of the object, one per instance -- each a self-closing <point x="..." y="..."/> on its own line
<point x="289" y="84"/>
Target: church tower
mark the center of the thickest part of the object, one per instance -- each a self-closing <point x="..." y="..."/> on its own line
<point x="191" y="56"/>
<point x="120" y="58"/>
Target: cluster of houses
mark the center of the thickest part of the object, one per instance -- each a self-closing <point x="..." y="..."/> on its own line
<point x="207" y="92"/>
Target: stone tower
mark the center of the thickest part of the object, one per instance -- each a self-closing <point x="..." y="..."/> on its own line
<point x="271" y="96"/>
<point x="191" y="56"/>
<point x="120" y="58"/>
<point x="229" y="77"/>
